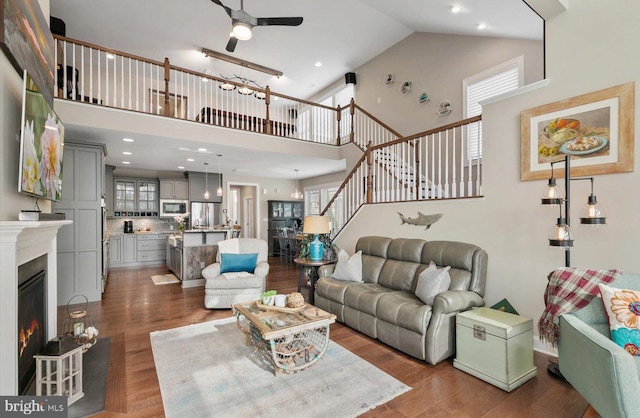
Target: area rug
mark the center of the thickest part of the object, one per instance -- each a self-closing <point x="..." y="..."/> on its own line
<point x="95" y="364"/>
<point x="164" y="279"/>
<point x="208" y="370"/>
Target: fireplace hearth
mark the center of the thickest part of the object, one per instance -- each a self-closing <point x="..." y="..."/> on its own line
<point x="31" y="318"/>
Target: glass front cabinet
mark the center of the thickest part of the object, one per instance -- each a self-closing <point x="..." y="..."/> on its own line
<point x="135" y="197"/>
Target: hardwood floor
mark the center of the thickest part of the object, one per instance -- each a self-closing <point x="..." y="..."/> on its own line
<point x="133" y="306"/>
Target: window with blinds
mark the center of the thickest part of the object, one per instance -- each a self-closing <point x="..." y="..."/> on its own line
<point x="497" y="80"/>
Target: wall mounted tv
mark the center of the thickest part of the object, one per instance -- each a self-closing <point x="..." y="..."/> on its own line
<point x="41" y="145"/>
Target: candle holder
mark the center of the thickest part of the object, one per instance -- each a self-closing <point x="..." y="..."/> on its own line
<point x="79" y="326"/>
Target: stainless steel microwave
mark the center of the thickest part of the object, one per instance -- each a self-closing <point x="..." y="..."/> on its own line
<point x="170" y="207"/>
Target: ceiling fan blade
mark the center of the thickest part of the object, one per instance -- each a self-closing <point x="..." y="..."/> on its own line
<point x="231" y="45"/>
<point x="279" y="21"/>
<point x="219" y="3"/>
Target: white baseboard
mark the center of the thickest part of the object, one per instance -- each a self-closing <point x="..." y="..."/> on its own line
<point x="544" y="347"/>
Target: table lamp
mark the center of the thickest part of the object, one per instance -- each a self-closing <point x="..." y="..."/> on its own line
<point x="316" y="225"/>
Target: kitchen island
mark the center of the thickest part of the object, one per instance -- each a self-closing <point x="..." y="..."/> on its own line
<point x="189" y="253"/>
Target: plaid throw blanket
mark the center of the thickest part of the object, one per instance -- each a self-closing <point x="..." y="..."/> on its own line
<point x="569" y="289"/>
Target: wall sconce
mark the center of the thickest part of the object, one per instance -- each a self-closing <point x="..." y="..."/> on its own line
<point x="561" y="236"/>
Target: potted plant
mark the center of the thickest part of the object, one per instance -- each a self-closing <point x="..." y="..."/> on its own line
<point x="268" y="297"/>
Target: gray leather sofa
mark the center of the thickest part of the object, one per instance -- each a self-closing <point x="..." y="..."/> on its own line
<point x="384" y="305"/>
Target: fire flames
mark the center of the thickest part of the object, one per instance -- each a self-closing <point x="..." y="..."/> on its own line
<point x="26" y="334"/>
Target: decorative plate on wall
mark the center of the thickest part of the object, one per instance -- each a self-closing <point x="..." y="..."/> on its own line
<point x="444" y="108"/>
<point x="405" y="87"/>
<point x="388" y="79"/>
<point x="423" y="97"/>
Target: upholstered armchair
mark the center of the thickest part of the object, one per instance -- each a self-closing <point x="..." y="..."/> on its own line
<point x="600" y="370"/>
<point x="231" y="279"/>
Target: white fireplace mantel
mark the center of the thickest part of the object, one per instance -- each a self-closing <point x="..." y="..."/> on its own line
<point x="21" y="242"/>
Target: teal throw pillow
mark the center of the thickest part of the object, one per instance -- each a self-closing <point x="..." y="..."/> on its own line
<point x="238" y="262"/>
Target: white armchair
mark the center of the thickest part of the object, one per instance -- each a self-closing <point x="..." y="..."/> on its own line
<point x="223" y="290"/>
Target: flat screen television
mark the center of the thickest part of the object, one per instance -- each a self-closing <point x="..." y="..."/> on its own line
<point x="41" y="145"/>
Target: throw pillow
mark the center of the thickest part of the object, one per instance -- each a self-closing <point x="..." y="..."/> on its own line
<point x="238" y="262"/>
<point x="623" y="310"/>
<point x="431" y="282"/>
<point x="348" y="268"/>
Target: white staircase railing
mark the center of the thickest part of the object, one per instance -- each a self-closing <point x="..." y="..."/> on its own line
<point x="436" y="164"/>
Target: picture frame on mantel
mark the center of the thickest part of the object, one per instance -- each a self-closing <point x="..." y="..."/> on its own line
<point x="595" y="129"/>
<point x="25" y="36"/>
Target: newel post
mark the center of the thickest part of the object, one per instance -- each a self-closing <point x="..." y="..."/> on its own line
<point x="352" y="111"/>
<point x="267" y="102"/>
<point x="167" y="78"/>
<point x="369" y="173"/>
<point x="338" y="118"/>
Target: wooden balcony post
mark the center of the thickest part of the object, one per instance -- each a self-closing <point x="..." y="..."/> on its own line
<point x="338" y="117"/>
<point x="267" y="102"/>
<point x="352" y="111"/>
<point x="167" y="78"/>
<point x="369" y="173"/>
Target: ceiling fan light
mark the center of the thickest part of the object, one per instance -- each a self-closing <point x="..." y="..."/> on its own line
<point x="241" y="30"/>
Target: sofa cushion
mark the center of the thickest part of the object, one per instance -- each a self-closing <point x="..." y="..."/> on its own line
<point x="332" y="289"/>
<point x="348" y="268"/>
<point x="405" y="310"/>
<point x="374" y="254"/>
<point x="364" y="296"/>
<point x="623" y="311"/>
<point x="432" y="281"/>
<point x="458" y="255"/>
<point x="398" y="275"/>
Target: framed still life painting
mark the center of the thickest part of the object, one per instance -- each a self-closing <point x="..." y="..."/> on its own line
<point x="595" y="129"/>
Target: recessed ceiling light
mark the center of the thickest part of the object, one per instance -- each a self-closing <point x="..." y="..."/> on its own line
<point x="202" y="149"/>
<point x="482" y="26"/>
<point x="456" y="9"/>
<point x="126" y="152"/>
<point x="110" y="55"/>
<point x="127" y="139"/>
<point x="190" y="160"/>
<point x="180" y="167"/>
<point x="318" y="64"/>
<point x="126" y="162"/>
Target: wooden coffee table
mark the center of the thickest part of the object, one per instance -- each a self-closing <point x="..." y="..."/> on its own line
<point x="292" y="339"/>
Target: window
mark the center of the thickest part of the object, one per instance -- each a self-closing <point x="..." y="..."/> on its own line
<point x="318" y="124"/>
<point x="317" y="198"/>
<point x="497" y="80"/>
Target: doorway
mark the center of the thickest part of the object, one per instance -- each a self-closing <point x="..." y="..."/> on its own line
<point x="243" y="207"/>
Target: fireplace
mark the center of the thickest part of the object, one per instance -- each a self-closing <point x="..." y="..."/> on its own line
<point x="32" y="324"/>
<point x="20" y="243"/>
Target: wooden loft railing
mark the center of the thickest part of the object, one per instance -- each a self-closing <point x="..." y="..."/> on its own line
<point x="440" y="163"/>
<point x="102" y="76"/>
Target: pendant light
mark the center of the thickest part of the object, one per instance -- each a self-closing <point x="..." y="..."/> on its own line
<point x="219" y="191"/>
<point x="297" y="194"/>
<point x="206" y="182"/>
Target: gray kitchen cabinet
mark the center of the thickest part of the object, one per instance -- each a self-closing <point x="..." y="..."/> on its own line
<point x="151" y="247"/>
<point x="199" y="182"/>
<point x="174" y="189"/>
<point x="129" y="249"/>
<point x="79" y="244"/>
<point x="115" y="250"/>
<point x="135" y="197"/>
<point x="108" y="189"/>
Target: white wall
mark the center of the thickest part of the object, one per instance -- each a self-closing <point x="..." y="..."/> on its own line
<point x="509" y="222"/>
<point x="437" y="63"/>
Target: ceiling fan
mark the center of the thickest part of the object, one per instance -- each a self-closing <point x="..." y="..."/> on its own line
<point x="243" y="23"/>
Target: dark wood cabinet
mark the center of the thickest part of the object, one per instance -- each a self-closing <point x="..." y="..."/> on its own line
<point x="282" y="213"/>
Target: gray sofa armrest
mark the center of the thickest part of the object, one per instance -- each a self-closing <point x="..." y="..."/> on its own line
<point x="600" y="370"/>
<point x="262" y="269"/>
<point x="453" y="301"/>
<point x="326" y="271"/>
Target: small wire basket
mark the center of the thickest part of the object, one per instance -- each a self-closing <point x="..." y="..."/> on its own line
<point x="79" y="325"/>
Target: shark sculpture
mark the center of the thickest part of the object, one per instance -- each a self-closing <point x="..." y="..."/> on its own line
<point x="421" y="219"/>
